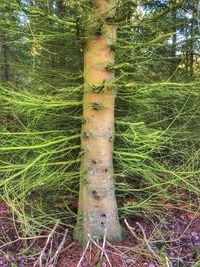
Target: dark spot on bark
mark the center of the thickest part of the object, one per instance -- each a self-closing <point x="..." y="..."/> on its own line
<point x="97" y="106"/>
<point x="98" y="88"/>
<point x="98" y="31"/>
<point x="99" y="28"/>
<point x="110" y="138"/>
<point x="103" y="215"/>
<point x="109" y="20"/>
<point x="82" y="152"/>
<point x="85" y="135"/>
<point x="106" y="170"/>
<point x="112" y="48"/>
<point x="94" y="162"/>
<point x="109" y="67"/>
<point x="85" y="181"/>
<point x="95" y="195"/>
<point x="84" y="121"/>
<point x="102" y="223"/>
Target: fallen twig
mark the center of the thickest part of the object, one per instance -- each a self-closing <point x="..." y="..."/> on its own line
<point x="54" y="259"/>
<point x="104" y="243"/>
<point x="103" y="251"/>
<point x="147" y="243"/>
<point x="131" y="230"/>
<point x="84" y="252"/>
<point x="42" y="253"/>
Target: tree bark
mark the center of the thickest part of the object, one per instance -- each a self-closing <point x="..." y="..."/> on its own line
<point x="194" y="9"/>
<point x="5" y="54"/>
<point x="97" y="212"/>
<point x="60" y="44"/>
<point x="174" y="36"/>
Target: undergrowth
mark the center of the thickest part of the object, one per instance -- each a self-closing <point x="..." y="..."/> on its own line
<point x="156" y="151"/>
<point x="156" y="157"/>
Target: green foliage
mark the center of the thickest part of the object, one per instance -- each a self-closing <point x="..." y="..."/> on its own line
<point x="156" y="154"/>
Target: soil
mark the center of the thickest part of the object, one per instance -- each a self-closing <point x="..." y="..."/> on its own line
<point x="173" y="241"/>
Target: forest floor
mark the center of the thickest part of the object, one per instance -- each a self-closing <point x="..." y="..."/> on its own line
<point x="173" y="241"/>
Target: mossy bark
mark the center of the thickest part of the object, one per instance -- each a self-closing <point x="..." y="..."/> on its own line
<point x="97" y="212"/>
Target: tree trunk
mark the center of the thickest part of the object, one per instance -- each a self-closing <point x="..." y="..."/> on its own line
<point x="5" y="54"/>
<point x="192" y="36"/>
<point x="60" y="44"/>
<point x="174" y="37"/>
<point x="97" y="203"/>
